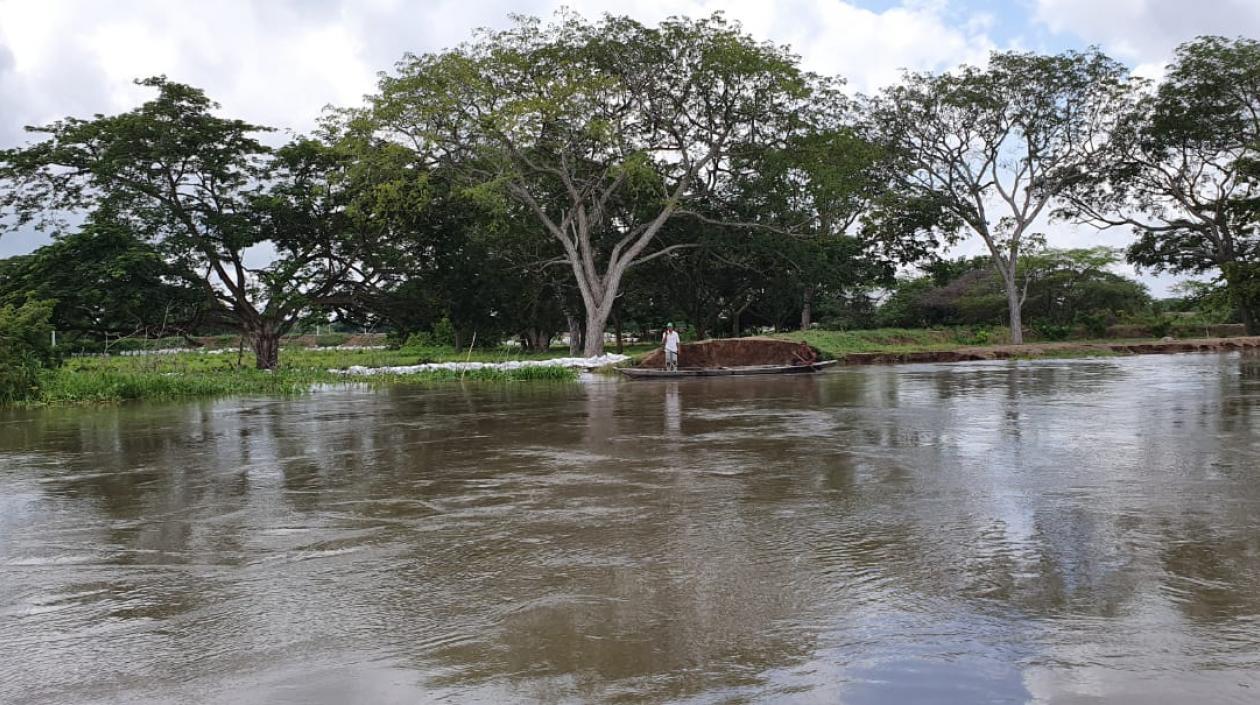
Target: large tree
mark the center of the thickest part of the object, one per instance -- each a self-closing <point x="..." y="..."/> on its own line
<point x="982" y="142"/>
<point x="1060" y="288"/>
<point x="1181" y="171"/>
<point x="603" y="131"/>
<point x="107" y="284"/>
<point x="839" y="218"/>
<point x="449" y="254"/>
<point x="205" y="192"/>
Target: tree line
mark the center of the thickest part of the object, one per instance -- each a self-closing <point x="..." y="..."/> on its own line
<point x="574" y="175"/>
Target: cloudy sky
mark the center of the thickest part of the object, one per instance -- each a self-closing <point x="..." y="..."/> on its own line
<point x="278" y="62"/>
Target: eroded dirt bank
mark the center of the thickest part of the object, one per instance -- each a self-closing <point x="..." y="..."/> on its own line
<point x="734" y="352"/>
<point x="1005" y="352"/>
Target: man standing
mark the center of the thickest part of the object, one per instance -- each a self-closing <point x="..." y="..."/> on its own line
<point x="670" y="341"/>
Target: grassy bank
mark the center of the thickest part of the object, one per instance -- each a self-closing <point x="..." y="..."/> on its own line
<point x="887" y="344"/>
<point x="200" y="374"/>
<point x="837" y="344"/>
<point x="188" y="375"/>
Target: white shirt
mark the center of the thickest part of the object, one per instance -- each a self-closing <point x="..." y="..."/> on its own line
<point x="671" y="341"/>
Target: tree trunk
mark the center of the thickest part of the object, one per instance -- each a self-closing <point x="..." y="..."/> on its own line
<point x="266" y="345"/>
<point x="1014" y="304"/>
<point x="593" y="335"/>
<point x="1250" y="324"/>
<point x="702" y="330"/>
<point x="575" y="336"/>
<point x="536" y="339"/>
<point x="1242" y="280"/>
<point x="807" y="308"/>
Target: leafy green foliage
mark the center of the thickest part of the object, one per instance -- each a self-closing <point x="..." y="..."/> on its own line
<point x="25" y="349"/>
<point x="1052" y="331"/>
<point x="600" y="132"/>
<point x="982" y="142"/>
<point x="1159" y="326"/>
<point x="201" y="190"/>
<point x="1180" y="169"/>
<point x="1065" y="288"/>
<point x="1208" y="303"/>
<point x="106" y="283"/>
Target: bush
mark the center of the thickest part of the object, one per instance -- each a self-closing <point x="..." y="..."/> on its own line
<point x="420" y="340"/>
<point x="1052" y="331"/>
<point x="444" y="333"/>
<point x="1160" y="326"/>
<point x="330" y="340"/>
<point x="25" y="349"/>
<point x="1095" y="324"/>
<point x="978" y="336"/>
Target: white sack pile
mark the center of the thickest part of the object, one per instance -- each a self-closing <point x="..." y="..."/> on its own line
<point x="580" y="362"/>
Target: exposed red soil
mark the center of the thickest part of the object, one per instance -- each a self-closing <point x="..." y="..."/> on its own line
<point x="733" y="352"/>
<point x="1004" y="352"/>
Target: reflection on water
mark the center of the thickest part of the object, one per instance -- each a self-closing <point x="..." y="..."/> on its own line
<point x="1060" y="532"/>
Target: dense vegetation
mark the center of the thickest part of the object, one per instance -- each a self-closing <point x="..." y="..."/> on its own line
<point x="578" y="177"/>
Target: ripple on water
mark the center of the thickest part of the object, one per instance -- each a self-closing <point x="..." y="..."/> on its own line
<point x="997" y="532"/>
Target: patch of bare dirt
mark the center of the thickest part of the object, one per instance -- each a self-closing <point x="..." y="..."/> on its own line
<point x="733" y="352"/>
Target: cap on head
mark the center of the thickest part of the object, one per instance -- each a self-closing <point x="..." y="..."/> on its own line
<point x="669" y="325"/>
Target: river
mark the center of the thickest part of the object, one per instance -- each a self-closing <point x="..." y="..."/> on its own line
<point x="1008" y="532"/>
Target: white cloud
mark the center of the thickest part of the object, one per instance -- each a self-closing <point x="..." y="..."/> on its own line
<point x="280" y="62"/>
<point x="1147" y="31"/>
<point x="1144" y="33"/>
<point x="868" y="48"/>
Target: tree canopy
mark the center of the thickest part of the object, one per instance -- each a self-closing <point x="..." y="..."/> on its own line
<point x="204" y="192"/>
<point x="513" y="185"/>
<point x="985" y="142"/>
<point x="1180" y="170"/>
<point x="603" y="131"/>
<point x="107" y="283"/>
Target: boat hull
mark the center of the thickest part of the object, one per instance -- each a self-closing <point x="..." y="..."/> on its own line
<point x="652" y="373"/>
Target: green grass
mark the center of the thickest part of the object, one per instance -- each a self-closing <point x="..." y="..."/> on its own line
<point x="837" y="343"/>
<point x="1067" y="354"/>
<point x="85" y="380"/>
<point x="188" y="375"/>
<point x="77" y="386"/>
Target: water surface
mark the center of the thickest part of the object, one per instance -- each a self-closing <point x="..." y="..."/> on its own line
<point x="1010" y="532"/>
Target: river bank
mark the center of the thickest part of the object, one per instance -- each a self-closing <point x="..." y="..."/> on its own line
<point x="895" y="345"/>
<point x="196" y="374"/>
<point x="1035" y="351"/>
<point x="201" y="374"/>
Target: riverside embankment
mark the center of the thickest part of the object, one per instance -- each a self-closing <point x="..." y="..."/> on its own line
<point x="1054" y="350"/>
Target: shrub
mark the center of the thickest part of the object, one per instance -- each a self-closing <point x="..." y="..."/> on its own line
<point x="420" y="340"/>
<point x="1160" y="326"/>
<point x="329" y="340"/>
<point x="444" y="333"/>
<point x="1095" y="324"/>
<point x="1052" y="331"/>
<point x="25" y="349"/>
<point x="977" y="336"/>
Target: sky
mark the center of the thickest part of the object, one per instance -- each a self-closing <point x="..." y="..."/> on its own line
<point x="280" y="62"/>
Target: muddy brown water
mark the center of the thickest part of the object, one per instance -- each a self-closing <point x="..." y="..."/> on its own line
<point x="1002" y="532"/>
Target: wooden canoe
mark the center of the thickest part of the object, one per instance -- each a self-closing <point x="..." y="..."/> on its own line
<point x="653" y="373"/>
